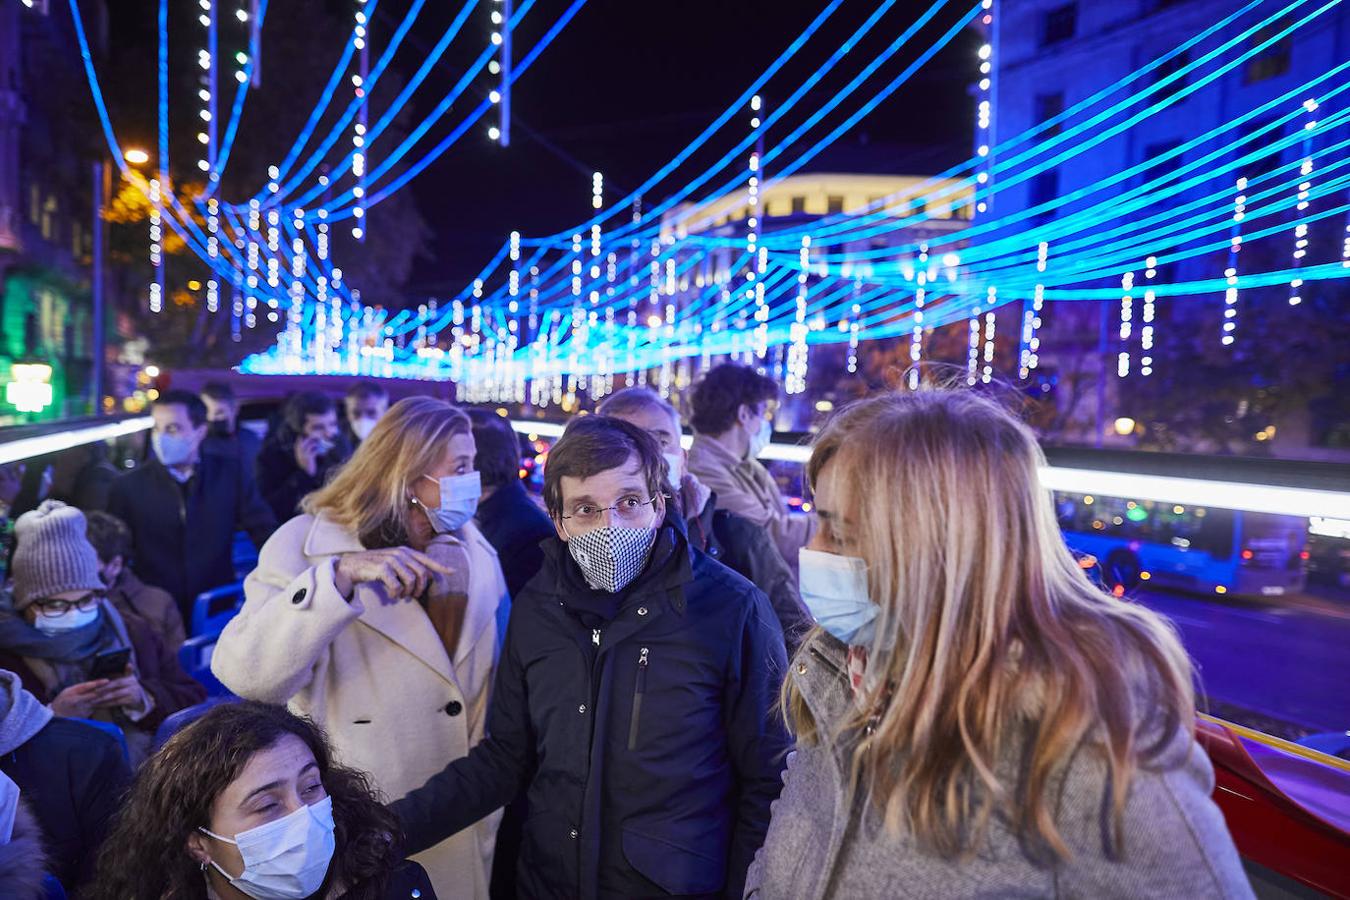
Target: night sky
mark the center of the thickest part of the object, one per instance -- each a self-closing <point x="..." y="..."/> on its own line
<point x="623" y="89"/>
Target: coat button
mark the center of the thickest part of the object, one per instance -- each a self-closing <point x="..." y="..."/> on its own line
<point x="454" y="708"/>
<point x="801" y="668"/>
<point x="299" y="596"/>
<point x="642" y="610"/>
<point x="573" y="832"/>
<point x="582" y="709"/>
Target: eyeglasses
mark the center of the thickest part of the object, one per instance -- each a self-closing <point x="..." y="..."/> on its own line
<point x="56" y="608"/>
<point x="628" y="510"/>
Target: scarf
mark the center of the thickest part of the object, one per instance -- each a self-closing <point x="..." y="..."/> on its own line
<point x="60" y="660"/>
<point x="17" y="636"/>
<point x="21" y="715"/>
<point x="447" y="600"/>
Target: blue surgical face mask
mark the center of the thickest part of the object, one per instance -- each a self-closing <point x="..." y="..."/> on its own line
<point x="173" y="449"/>
<point x="760" y="439"/>
<point x="834" y="589"/>
<point x="459" y="501"/>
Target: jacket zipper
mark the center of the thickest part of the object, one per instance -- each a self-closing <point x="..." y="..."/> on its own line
<point x="595" y="636"/>
<point x="639" y="689"/>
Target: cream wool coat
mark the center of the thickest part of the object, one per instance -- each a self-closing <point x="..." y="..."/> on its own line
<point x="373" y="673"/>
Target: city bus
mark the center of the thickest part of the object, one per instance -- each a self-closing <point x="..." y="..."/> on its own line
<point x="1189" y="548"/>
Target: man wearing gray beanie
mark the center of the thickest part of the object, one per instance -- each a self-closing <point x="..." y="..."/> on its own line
<point x="60" y="632"/>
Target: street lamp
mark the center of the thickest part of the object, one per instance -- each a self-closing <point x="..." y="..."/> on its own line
<point x="102" y="188"/>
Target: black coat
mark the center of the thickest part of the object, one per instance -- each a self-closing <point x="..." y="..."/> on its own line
<point x="183" y="543"/>
<point x="515" y="526"/>
<point x="72" y="776"/>
<point x="651" y="757"/>
<point x="749" y="549"/>
<point x="283" y="483"/>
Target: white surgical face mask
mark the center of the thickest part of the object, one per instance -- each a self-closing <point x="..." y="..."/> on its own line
<point x="834" y="589"/>
<point x="363" y="426"/>
<point x="172" y="449"/>
<point x="676" y="463"/>
<point x="459" y="501"/>
<point x="760" y="439"/>
<point x="287" y="859"/>
<point x="69" y="620"/>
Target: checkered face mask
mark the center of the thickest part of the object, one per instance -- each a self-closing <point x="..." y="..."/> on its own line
<point x="612" y="556"/>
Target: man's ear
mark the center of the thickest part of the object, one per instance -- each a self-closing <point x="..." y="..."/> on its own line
<point x="558" y="527"/>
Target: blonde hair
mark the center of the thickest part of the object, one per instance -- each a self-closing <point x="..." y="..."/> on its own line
<point x="991" y="643"/>
<point x="369" y="495"/>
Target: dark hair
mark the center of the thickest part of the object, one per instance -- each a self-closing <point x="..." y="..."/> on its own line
<point x="498" y="458"/>
<point x="305" y="404"/>
<point x="146" y="853"/>
<point x="717" y="399"/>
<point x="595" y="444"/>
<point x="365" y="389"/>
<point x="109" y="535"/>
<point x="218" y="391"/>
<point x="196" y="409"/>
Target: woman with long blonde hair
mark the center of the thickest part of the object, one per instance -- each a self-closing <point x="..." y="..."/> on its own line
<point x="374" y="613"/>
<point x="973" y="715"/>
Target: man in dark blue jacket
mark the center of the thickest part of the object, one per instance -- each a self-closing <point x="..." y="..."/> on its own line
<point x="634" y="699"/>
<point x="184" y="503"/>
<point x="512" y="522"/>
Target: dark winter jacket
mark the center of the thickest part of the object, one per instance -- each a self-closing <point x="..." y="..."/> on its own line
<point x="515" y="526"/>
<point x="649" y="745"/>
<point x="72" y="776"/>
<point x="135" y="599"/>
<point x="748" y="549"/>
<point x="284" y="484"/>
<point x="184" y="535"/>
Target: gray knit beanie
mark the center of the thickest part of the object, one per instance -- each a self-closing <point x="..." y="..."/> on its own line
<point x="52" y="554"/>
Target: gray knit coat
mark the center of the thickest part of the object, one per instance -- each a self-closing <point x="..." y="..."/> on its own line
<point x="1176" y="844"/>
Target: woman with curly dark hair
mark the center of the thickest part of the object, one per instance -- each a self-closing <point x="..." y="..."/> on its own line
<point x="246" y="803"/>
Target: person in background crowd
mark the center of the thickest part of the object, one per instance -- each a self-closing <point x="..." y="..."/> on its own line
<point x="635" y="697"/>
<point x="733" y="410"/>
<point x="130" y="596"/>
<point x="308" y="449"/>
<point x="62" y="625"/>
<point x="375" y="612"/>
<point x="71" y="774"/>
<point x="11" y="483"/>
<point x="23" y="864"/>
<point x="81" y="476"/>
<point x="973" y="716"/>
<point x="248" y="802"/>
<point x="365" y="403"/>
<point x="183" y="506"/>
<point x="516" y="526"/>
<point x="726" y="537"/>
<point x="511" y="521"/>
<point x="223" y="429"/>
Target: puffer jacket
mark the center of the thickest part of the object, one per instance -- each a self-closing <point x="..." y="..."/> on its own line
<point x="649" y="745"/>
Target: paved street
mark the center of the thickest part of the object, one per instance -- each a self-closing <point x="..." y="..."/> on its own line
<point x="1288" y="663"/>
